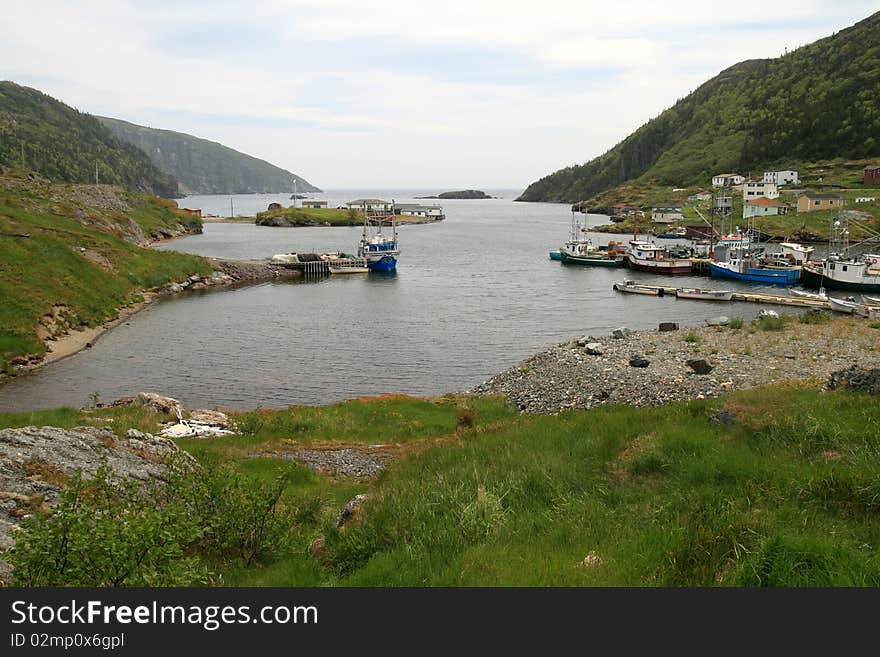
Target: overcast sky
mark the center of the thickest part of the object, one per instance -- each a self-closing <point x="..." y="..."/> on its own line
<point x="388" y="93"/>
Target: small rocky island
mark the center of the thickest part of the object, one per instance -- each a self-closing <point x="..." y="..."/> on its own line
<point x="463" y="194"/>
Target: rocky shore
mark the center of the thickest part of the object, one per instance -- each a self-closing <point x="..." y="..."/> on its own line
<point x="648" y="368"/>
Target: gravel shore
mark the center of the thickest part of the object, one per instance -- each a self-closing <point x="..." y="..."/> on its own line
<point x="567" y="376"/>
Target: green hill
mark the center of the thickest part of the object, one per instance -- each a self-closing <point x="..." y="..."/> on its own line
<point x="64" y="144"/>
<point x="815" y="103"/>
<point x="206" y="167"/>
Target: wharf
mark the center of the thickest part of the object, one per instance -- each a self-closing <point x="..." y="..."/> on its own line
<point x="328" y="266"/>
<point x="748" y="297"/>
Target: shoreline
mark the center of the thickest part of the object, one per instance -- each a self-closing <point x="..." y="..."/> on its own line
<point x="228" y="274"/>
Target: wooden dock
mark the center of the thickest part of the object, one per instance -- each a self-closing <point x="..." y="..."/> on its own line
<point x="318" y="268"/>
<point x="749" y="297"/>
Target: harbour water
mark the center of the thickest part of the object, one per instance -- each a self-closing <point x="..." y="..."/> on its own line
<point x="473" y="295"/>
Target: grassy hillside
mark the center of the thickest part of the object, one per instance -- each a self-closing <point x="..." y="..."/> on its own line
<point x="782" y="491"/>
<point x="63" y="144"/>
<point x="815" y="103"/>
<point x="71" y="253"/>
<point x="309" y="217"/>
<point x="206" y="167"/>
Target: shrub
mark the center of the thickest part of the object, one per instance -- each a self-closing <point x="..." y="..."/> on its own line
<point x="691" y="337"/>
<point x="770" y="323"/>
<point x="736" y="323"/>
<point x="106" y="532"/>
<point x="814" y="316"/>
<point x="466" y="418"/>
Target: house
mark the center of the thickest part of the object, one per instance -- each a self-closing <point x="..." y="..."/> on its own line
<point x="700" y="196"/>
<point x="787" y="177"/>
<point x="872" y="175"/>
<point x="813" y="202"/>
<point x="191" y="212"/>
<point x="727" y="180"/>
<point x="762" y="207"/>
<point x="755" y="188"/>
<point x="314" y="204"/>
<point x="418" y="210"/>
<point x="666" y="215"/>
<point x="370" y="205"/>
<point x="866" y="199"/>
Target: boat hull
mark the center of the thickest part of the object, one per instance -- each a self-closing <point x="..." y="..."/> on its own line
<point x="766" y="276"/>
<point x="385" y="263"/>
<point x="675" y="267"/>
<point x="704" y="295"/>
<point x="591" y="261"/>
<point x="555" y="255"/>
<point x="814" y="279"/>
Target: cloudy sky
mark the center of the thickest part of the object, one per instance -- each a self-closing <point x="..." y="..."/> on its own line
<point x="397" y="93"/>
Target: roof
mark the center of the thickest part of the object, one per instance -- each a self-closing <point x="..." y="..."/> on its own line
<point x="665" y="208"/>
<point x="823" y="196"/>
<point x="416" y="206"/>
<point x="872" y="167"/>
<point x="766" y="202"/>
<point x="361" y="201"/>
<point x="725" y="175"/>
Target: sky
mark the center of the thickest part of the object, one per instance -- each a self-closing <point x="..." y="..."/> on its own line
<point x="396" y="93"/>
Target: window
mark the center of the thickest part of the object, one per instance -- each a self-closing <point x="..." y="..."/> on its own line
<point x="844" y="268"/>
<point x="816" y="202"/>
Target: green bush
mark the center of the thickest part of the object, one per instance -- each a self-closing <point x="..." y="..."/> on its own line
<point x="736" y="323"/>
<point x="770" y="323"/>
<point x="106" y="532"/>
<point x="815" y="316"/>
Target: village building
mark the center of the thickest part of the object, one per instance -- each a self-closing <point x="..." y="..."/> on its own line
<point x="755" y="188"/>
<point x="191" y="212"/>
<point x="866" y="199"/>
<point x="370" y="205"/>
<point x="666" y="215"/>
<point x="700" y="196"/>
<point x="762" y="207"/>
<point x="314" y="204"/>
<point x="727" y="180"/>
<point x="815" y="202"/>
<point x="419" y="210"/>
<point x="872" y="175"/>
<point x="787" y="177"/>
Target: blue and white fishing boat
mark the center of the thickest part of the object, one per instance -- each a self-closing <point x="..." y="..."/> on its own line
<point x="753" y="265"/>
<point x="379" y="250"/>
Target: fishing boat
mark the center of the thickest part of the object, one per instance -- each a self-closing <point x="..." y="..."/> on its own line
<point x="580" y="250"/>
<point x="703" y="295"/>
<point x="739" y="238"/>
<point x="872" y="301"/>
<point x="821" y="296"/>
<point x="632" y="287"/>
<point x="648" y="256"/>
<point x="844" y="305"/>
<point x="840" y="271"/>
<point x="745" y="264"/>
<point x="379" y="251"/>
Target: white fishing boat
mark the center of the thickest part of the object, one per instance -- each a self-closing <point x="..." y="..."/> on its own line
<point x="648" y="256"/>
<point x="632" y="287"/>
<point x="703" y="295"/>
<point x="821" y="296"/>
<point x="871" y="301"/>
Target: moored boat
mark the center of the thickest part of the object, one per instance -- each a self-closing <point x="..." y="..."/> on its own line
<point x="744" y="264"/>
<point x="821" y="296"/>
<point x="555" y="255"/>
<point x="379" y="251"/>
<point x="632" y="287"/>
<point x="674" y="234"/>
<point x="580" y="250"/>
<point x="703" y="295"/>
<point x="843" y="305"/>
<point x="871" y="301"/>
<point x="648" y="256"/>
<point x="860" y="274"/>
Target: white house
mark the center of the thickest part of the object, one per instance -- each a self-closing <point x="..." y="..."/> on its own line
<point x="419" y="210"/>
<point x="761" y="207"/>
<point x="370" y="205"/>
<point x="727" y="180"/>
<point x="314" y="204"/>
<point x="754" y="188"/>
<point x="700" y="196"/>
<point x="666" y="215"/>
<point x="781" y="177"/>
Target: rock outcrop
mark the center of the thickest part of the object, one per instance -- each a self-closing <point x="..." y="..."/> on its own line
<point x="37" y="462"/>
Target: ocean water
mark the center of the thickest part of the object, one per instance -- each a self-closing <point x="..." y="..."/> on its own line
<point x="473" y="295"/>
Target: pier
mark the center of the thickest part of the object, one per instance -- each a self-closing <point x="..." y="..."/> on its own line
<point x="749" y="297"/>
<point x="325" y="267"/>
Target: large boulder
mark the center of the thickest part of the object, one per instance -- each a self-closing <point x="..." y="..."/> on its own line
<point x="700" y="366"/>
<point x="594" y="349"/>
<point x="214" y="418"/>
<point x="667" y="326"/>
<point x="639" y="361"/>
<point x="350" y="511"/>
<point x="721" y="320"/>
<point x="856" y="378"/>
<point x="157" y="403"/>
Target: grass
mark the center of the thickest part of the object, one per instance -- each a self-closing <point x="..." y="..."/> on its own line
<point x="786" y="495"/>
<point x="770" y="322"/>
<point x="310" y="217"/>
<point x="49" y="269"/>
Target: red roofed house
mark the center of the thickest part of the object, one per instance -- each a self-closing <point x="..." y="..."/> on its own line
<point x="762" y="207"/>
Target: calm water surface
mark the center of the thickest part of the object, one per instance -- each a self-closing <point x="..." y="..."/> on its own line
<point x="473" y="295"/>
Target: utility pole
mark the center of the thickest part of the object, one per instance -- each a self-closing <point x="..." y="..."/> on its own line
<point x="96" y="172"/>
<point x="22" y="154"/>
<point x="231" y="210"/>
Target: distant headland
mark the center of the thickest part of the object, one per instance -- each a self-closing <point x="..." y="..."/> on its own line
<point x="465" y="193"/>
